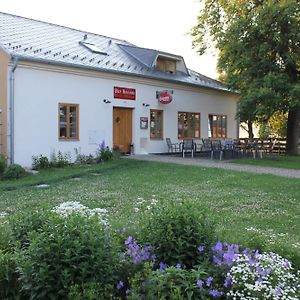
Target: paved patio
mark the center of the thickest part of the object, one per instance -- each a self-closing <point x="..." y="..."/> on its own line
<point x="206" y="163"/>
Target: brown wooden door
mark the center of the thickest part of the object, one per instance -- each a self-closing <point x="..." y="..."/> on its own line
<point x="122" y="128"/>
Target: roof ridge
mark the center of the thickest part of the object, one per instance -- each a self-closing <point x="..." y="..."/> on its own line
<point x="66" y="27"/>
<point x="158" y="51"/>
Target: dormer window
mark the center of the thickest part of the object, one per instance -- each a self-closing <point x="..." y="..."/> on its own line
<point x="166" y="65"/>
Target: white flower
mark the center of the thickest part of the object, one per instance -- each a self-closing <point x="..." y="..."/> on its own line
<point x="269" y="277"/>
<point x="74" y="207"/>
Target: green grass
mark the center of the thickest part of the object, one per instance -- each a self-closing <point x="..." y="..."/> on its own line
<point x="244" y="206"/>
<point x="288" y="162"/>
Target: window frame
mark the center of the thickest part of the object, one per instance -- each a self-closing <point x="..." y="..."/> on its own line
<point x="189" y="137"/>
<point x="161" y="137"/>
<point x="211" y="131"/>
<point x="68" y="106"/>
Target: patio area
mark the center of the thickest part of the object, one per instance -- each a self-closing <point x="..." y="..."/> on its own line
<point x="228" y="148"/>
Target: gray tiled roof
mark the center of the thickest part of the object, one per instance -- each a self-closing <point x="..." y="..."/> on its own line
<point x="40" y="41"/>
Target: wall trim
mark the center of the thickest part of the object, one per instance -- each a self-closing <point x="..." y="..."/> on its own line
<point x="163" y="84"/>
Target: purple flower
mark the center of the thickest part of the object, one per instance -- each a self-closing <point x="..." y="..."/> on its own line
<point x="228" y="281"/>
<point x="218" y="247"/>
<point x="215" y="293"/>
<point x="200" y="283"/>
<point x="128" y="240"/>
<point x="178" y="266"/>
<point x="200" y="248"/>
<point x="286" y="264"/>
<point x="127" y="291"/>
<point x="209" y="281"/>
<point x="278" y="290"/>
<point x="162" y="266"/>
<point x="102" y="146"/>
<point x="120" y="285"/>
<point x="217" y="260"/>
<point x="229" y="257"/>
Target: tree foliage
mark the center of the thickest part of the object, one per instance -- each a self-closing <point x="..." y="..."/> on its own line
<point x="258" y="43"/>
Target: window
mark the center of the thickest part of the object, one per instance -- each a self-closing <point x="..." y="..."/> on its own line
<point x="68" y="121"/>
<point x="166" y="65"/>
<point x="217" y="126"/>
<point x="156" y="124"/>
<point x="93" y="48"/>
<point x="188" y="125"/>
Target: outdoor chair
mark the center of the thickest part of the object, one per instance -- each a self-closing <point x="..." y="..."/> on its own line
<point x="188" y="146"/>
<point x="216" y="148"/>
<point x="207" y="147"/>
<point x="239" y="147"/>
<point x="172" y="147"/>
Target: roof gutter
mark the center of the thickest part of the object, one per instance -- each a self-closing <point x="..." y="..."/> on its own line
<point x="70" y="65"/>
<point x="12" y="109"/>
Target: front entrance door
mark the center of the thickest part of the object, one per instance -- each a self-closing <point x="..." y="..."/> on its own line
<point x="122" y="128"/>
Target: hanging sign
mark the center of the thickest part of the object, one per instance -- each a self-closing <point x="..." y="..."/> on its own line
<point x="164" y="97"/>
<point x="124" y="93"/>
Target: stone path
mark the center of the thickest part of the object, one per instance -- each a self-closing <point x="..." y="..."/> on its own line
<point x="201" y="162"/>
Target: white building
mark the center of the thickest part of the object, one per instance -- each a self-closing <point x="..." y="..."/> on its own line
<point x="62" y="89"/>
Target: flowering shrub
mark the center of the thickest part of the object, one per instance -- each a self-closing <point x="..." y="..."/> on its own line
<point x="103" y="153"/>
<point x="70" y="251"/>
<point x="264" y="276"/>
<point x="74" y="207"/>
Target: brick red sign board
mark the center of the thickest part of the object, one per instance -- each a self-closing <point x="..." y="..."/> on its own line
<point x="124" y="93"/>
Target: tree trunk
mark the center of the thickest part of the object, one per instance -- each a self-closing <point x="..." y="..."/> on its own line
<point x="250" y="129"/>
<point x="293" y="132"/>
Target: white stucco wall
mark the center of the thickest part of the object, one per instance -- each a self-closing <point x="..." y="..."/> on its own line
<point x="38" y="92"/>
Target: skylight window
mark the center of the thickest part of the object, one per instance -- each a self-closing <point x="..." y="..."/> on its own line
<point x="93" y="48"/>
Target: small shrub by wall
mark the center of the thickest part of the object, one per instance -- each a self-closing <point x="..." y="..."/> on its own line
<point x="14" y="171"/>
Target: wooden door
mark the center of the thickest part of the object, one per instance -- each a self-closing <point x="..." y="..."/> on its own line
<point x="122" y="128"/>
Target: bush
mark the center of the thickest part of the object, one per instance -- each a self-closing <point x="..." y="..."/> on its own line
<point x="27" y="221"/>
<point x="40" y="162"/>
<point x="91" y="291"/>
<point x="2" y="163"/>
<point x="14" y="171"/>
<point x="68" y="251"/>
<point x="103" y="153"/>
<point x="175" y="231"/>
<point x="60" y="160"/>
<point x="82" y="158"/>
<point x="172" y="283"/>
<point x="9" y="286"/>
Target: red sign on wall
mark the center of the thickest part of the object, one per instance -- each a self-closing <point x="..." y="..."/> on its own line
<point x="124" y="93"/>
<point x="164" y="97"/>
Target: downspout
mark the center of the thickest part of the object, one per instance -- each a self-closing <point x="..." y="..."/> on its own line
<point x="12" y="109"/>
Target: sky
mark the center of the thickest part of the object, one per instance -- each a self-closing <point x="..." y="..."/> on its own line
<point x="156" y="24"/>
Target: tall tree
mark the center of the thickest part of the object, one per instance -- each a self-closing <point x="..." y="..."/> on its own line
<point x="259" y="55"/>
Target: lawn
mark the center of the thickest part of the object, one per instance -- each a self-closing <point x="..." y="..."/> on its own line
<point x="288" y="162"/>
<point x="244" y="206"/>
